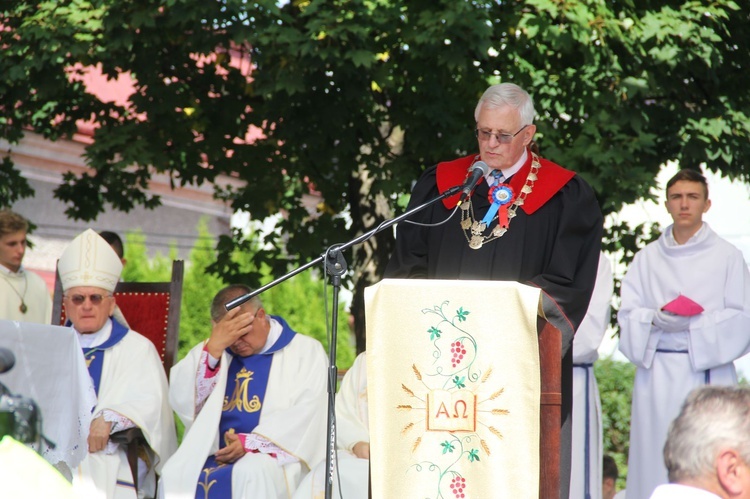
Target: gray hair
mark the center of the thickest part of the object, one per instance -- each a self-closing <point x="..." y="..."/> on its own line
<point x="508" y="94"/>
<point x="712" y="418"/>
<point x="218" y="309"/>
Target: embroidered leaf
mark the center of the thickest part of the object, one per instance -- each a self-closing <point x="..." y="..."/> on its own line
<point x="461" y="314"/>
<point x="434" y="333"/>
<point x="473" y="455"/>
<point x="459" y="382"/>
<point x="447" y="447"/>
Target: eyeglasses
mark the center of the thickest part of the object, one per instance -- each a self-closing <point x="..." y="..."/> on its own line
<point x="501" y="138"/>
<point x="95" y="299"/>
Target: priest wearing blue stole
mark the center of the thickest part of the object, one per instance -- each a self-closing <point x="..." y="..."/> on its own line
<point x="127" y="374"/>
<point x="253" y="401"/>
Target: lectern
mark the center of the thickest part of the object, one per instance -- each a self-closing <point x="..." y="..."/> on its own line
<point x="464" y="390"/>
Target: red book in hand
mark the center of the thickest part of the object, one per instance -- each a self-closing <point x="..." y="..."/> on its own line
<point x="682" y="305"/>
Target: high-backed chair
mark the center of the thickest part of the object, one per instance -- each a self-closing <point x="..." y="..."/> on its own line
<point x="152" y="309"/>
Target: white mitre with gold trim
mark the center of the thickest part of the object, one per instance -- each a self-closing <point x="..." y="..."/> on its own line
<point x="89" y="261"/>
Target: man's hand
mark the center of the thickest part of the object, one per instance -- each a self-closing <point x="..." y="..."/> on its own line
<point x="99" y="434"/>
<point x="671" y="323"/>
<point x="229" y="329"/>
<point x="233" y="450"/>
<point x="361" y="450"/>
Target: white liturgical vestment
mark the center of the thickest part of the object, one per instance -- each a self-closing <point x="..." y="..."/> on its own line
<point x="711" y="272"/>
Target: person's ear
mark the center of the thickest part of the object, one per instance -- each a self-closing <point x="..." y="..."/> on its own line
<point x="608" y="483"/>
<point x="731" y="471"/>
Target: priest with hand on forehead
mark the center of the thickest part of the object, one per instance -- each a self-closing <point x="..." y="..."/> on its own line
<point x="126" y="371"/>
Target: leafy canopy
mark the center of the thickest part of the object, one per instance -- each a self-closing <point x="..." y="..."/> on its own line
<point x="351" y="99"/>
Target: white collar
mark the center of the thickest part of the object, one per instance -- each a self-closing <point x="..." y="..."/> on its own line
<point x="273" y="334"/>
<point x="9" y="272"/>
<point x="95" y="339"/>
<point x="670" y="241"/>
<point x="509" y="172"/>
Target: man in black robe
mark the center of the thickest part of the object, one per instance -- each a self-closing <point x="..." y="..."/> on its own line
<point x="544" y="229"/>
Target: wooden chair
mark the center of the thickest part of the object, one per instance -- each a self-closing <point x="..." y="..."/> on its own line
<point x="152" y="309"/>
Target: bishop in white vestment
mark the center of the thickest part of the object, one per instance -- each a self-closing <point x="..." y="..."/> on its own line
<point x="127" y="374"/>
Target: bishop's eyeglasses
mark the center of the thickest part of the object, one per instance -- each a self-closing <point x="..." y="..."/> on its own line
<point x="95" y="299"/>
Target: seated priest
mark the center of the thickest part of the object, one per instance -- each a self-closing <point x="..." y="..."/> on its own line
<point x="352" y="441"/>
<point x="130" y="383"/>
<point x="253" y="401"/>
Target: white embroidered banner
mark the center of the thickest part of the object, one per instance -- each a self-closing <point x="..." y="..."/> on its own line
<point x="453" y="388"/>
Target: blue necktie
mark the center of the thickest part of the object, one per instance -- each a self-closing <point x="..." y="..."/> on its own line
<point x="497" y="177"/>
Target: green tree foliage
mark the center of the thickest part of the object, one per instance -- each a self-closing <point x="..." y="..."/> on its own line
<point x="199" y="289"/>
<point x="352" y="98"/>
<point x="139" y="267"/>
<point x="615" y="380"/>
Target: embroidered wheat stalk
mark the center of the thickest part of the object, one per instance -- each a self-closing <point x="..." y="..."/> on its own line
<point x="416" y="372"/>
<point x="496" y="432"/>
<point x="407" y="390"/>
<point x="497" y="394"/>
<point x="416" y="444"/>
<point x="485" y="446"/>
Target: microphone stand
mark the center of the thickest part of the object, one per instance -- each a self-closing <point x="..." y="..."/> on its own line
<point x="336" y="266"/>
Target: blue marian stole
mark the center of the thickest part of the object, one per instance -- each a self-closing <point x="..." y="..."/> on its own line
<point x="95" y="356"/>
<point x="243" y="401"/>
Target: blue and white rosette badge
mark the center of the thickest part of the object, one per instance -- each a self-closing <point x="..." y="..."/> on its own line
<point x="500" y="196"/>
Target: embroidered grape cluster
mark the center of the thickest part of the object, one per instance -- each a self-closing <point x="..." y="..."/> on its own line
<point x="458" y="351"/>
<point x="458" y="484"/>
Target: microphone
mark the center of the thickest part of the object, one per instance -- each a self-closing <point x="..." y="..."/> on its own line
<point x="478" y="170"/>
<point x="7" y="360"/>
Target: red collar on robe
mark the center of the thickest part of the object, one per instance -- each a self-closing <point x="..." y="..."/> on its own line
<point x="551" y="178"/>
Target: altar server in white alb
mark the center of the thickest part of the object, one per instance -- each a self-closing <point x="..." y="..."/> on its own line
<point x="684" y="319"/>
<point x="352" y="441"/>
<point x="128" y="376"/>
<point x="24" y="296"/>
<point x="587" y="450"/>
<point x="253" y="401"/>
